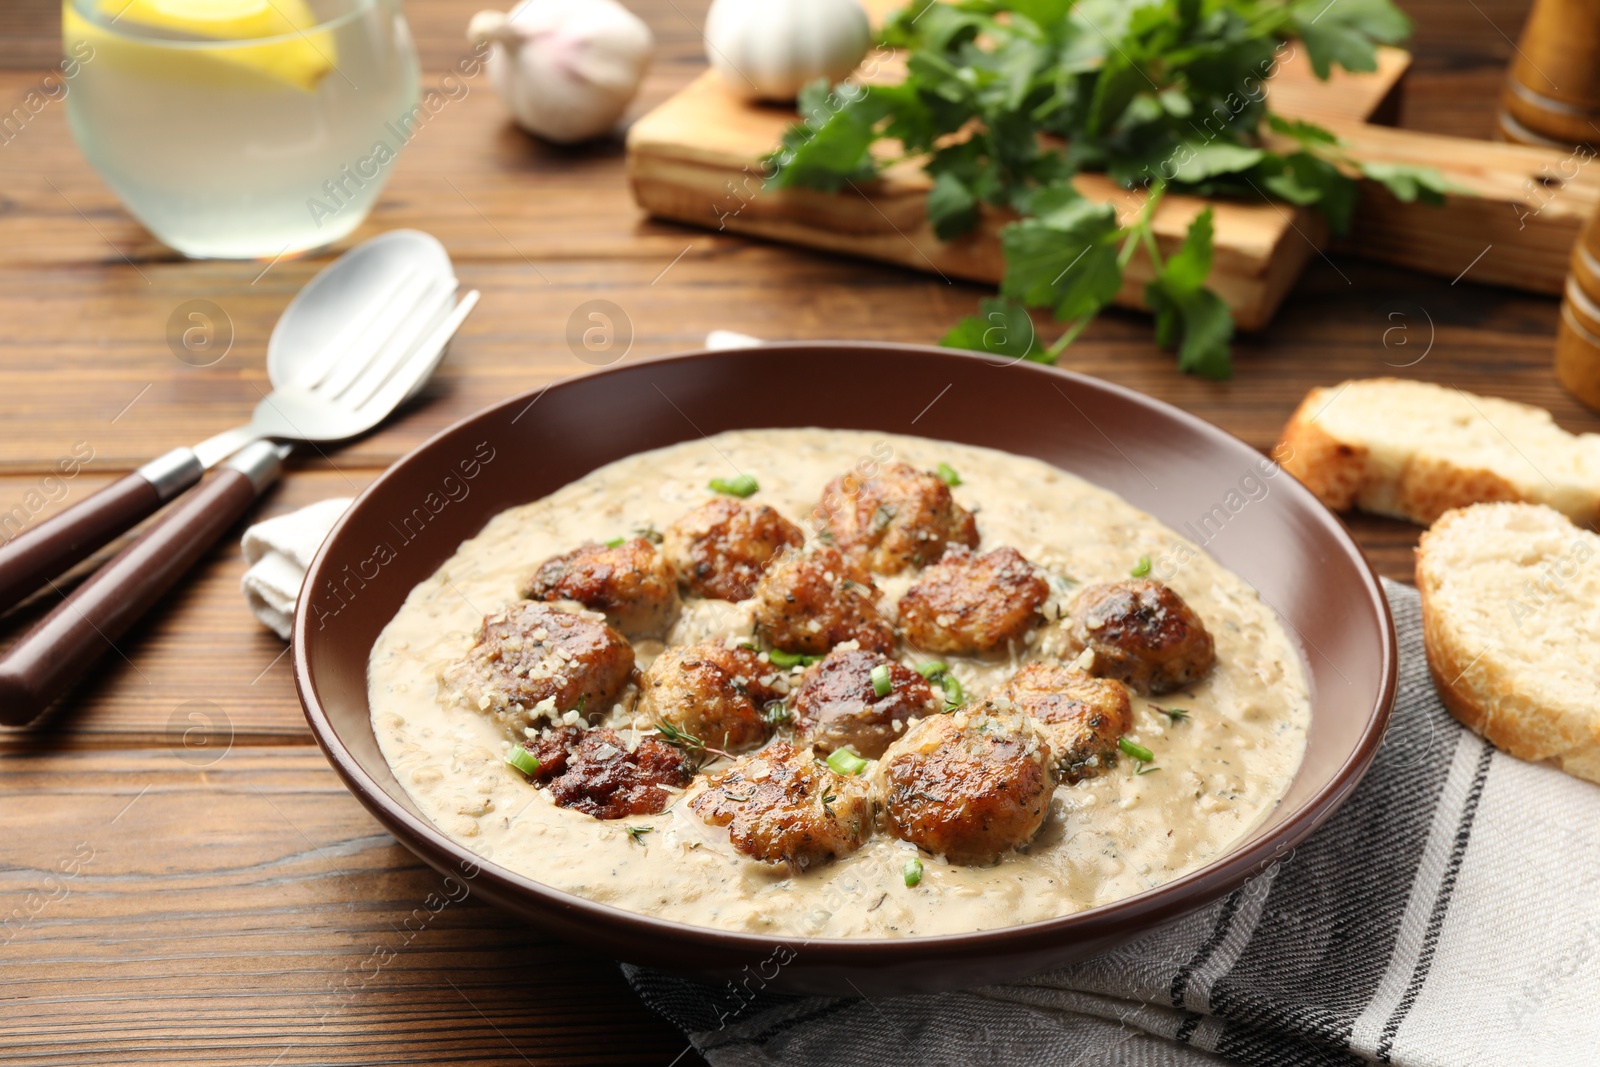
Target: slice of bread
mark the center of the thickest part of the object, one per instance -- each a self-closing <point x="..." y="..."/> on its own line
<point x="1511" y="621"/>
<point x="1414" y="451"/>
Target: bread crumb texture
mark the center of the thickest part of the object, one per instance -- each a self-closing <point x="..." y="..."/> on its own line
<point x="1511" y="621"/>
<point x="1413" y="450"/>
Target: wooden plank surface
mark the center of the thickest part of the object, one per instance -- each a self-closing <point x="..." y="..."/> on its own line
<point x="223" y="907"/>
<point x="697" y="158"/>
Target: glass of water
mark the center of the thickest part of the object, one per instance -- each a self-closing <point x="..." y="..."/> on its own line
<point x="242" y="129"/>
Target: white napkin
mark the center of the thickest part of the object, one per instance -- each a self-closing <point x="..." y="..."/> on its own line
<point x="279" y="550"/>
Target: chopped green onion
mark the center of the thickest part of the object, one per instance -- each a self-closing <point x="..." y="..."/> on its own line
<point x="522" y="759"/>
<point x="779" y="658"/>
<point x="616" y="542"/>
<point x="777" y="713"/>
<point x="846" y="762"/>
<point x="954" y="695"/>
<point x="742" y="486"/>
<point x="913" y="871"/>
<point x="1136" y="751"/>
<point x="947" y="474"/>
<point x="932" y="669"/>
<point x="881" y="683"/>
<point x="1142" y="568"/>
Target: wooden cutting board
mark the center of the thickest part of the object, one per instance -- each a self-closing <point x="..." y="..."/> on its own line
<point x="697" y="159"/>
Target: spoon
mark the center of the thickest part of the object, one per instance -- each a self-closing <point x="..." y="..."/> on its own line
<point x="407" y="314"/>
<point x="360" y="338"/>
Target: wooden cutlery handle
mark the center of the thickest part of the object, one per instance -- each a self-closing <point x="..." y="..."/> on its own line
<point x="61" y="650"/>
<point x="36" y="555"/>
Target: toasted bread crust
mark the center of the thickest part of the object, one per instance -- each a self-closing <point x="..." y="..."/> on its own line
<point x="1410" y="463"/>
<point x="1331" y="469"/>
<point x="1489" y="693"/>
<point x="1430" y="486"/>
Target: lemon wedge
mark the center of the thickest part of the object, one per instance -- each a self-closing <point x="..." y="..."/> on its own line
<point x="292" y="51"/>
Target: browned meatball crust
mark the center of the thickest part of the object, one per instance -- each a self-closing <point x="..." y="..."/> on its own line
<point x="1081" y="716"/>
<point x="973" y="604"/>
<point x="1142" y="633"/>
<point x="901" y="517"/>
<point x="969" y="785"/>
<point x="594" y="771"/>
<point x="722" y="548"/>
<point x="532" y="661"/>
<point x="783" y="805"/>
<point x="633" y="584"/>
<point x="712" y="692"/>
<point x="812" y="599"/>
<point x="837" y="705"/>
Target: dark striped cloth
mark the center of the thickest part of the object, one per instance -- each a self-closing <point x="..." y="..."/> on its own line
<point x="1448" y="914"/>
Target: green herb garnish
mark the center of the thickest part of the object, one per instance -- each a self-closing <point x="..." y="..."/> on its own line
<point x="938" y="672"/>
<point x="913" y="871"/>
<point x="882" y="685"/>
<point x="649" y="533"/>
<point x="1142" y="757"/>
<point x="1005" y="101"/>
<point x="954" y="696"/>
<point x="742" y="486"/>
<point x="1175" y="714"/>
<point x="672" y="735"/>
<point x="846" y="762"/>
<point x="777" y="713"/>
<point x="947" y="474"/>
<point x="637" y="832"/>
<point x="1142" y="568"/>
<point x="522" y="760"/>
<point x="616" y="542"/>
<point x="779" y="658"/>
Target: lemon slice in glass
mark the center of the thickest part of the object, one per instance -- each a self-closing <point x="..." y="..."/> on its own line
<point x="292" y="49"/>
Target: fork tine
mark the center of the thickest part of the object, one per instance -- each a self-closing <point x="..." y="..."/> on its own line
<point x="317" y="368"/>
<point x="409" y="302"/>
<point x="424" y="357"/>
<point x="399" y="345"/>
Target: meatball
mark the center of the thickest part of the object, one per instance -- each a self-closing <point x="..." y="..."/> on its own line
<point x="900" y="518"/>
<point x="712" y="692"/>
<point x="722" y="547"/>
<point x="783" y="805"/>
<point x="969" y="785"/>
<point x="1081" y="716"/>
<point x="594" y="771"/>
<point x="1142" y="633"/>
<point x="972" y="603"/>
<point x="533" y="661"/>
<point x="631" y="583"/>
<point x="838" y="705"/>
<point x="810" y="600"/>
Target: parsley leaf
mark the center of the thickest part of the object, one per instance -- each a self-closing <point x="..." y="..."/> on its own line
<point x="1001" y="328"/>
<point x="1003" y="102"/>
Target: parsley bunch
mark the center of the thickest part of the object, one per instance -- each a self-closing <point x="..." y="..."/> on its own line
<point x="1005" y="100"/>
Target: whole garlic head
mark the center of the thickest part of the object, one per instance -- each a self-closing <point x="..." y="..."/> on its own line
<point x="771" y="49"/>
<point x="568" y="69"/>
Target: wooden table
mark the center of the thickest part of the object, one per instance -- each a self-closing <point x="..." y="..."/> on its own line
<point x="226" y="901"/>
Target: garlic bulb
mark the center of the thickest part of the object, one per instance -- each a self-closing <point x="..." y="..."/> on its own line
<point x="567" y="68"/>
<point x="770" y="49"/>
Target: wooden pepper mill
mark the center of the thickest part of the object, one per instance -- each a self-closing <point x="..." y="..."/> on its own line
<point x="1552" y="92"/>
<point x="1578" y="335"/>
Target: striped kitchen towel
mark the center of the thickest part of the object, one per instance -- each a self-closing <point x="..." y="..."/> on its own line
<point x="1448" y="914"/>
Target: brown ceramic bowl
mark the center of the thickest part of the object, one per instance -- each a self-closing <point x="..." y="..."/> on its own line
<point x="1193" y="476"/>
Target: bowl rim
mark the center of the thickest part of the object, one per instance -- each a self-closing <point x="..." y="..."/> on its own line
<point x="1158" y="904"/>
